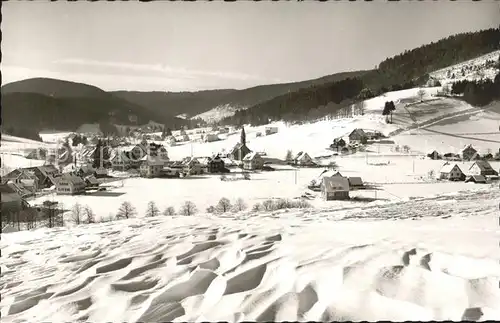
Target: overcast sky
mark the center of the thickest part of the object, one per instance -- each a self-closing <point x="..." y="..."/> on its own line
<point x="176" y="46"/>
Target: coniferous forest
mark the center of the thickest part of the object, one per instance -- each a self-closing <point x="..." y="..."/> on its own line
<point x="403" y="71"/>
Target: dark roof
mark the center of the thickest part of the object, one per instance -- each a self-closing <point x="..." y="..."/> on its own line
<point x="7" y="189"/>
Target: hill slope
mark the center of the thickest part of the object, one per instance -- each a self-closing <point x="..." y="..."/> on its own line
<point x="403" y="71"/>
<point x="31" y="105"/>
<point x="196" y="103"/>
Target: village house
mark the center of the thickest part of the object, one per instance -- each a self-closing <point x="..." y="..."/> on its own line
<point x="434" y="155"/>
<point x="303" y="159"/>
<point x="70" y="184"/>
<point x="355" y="183"/>
<point x="253" y="161"/>
<point x="171" y="140"/>
<point x="358" y="135"/>
<point x="451" y="172"/>
<point x="482" y="167"/>
<point x="91" y="182"/>
<point x="84" y="170"/>
<point x="373" y="135"/>
<point x="271" y="130"/>
<point x="335" y="188"/>
<point x="189" y="166"/>
<point x="151" y="167"/>
<point x="477" y="179"/>
<point x="223" y="130"/>
<point x="210" y="137"/>
<point x="216" y="165"/>
<point x="120" y="160"/>
<point x="469" y="153"/>
<point x="338" y="144"/>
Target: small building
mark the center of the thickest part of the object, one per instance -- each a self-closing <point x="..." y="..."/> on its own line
<point x="120" y="160"/>
<point x="69" y="184"/>
<point x="355" y="183"/>
<point x="216" y="165"/>
<point x="338" y="144"/>
<point x="91" y="182"/>
<point x="191" y="166"/>
<point x="101" y="172"/>
<point x="373" y="135"/>
<point x="151" y="167"/>
<point x="469" y="153"/>
<point x="303" y="159"/>
<point x="451" y="172"/>
<point x="138" y="152"/>
<point x="482" y="167"/>
<point x="84" y="171"/>
<point x="239" y="152"/>
<point x="335" y="188"/>
<point x="434" y="155"/>
<point x="210" y="137"/>
<point x="253" y="161"/>
<point x="271" y="130"/>
<point x="171" y="140"/>
<point x="478" y="179"/>
<point x="358" y="135"/>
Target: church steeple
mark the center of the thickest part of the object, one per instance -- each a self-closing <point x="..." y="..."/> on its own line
<point x="243" y="138"/>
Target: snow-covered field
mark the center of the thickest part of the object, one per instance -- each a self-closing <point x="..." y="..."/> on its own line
<point x="429" y="259"/>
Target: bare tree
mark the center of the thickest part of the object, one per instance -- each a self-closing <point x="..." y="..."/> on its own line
<point x="421" y="94"/>
<point x="152" y="210"/>
<point x="77" y="214"/>
<point x="88" y="215"/>
<point x="268" y="205"/>
<point x="169" y="211"/>
<point x="359" y="108"/>
<point x="224" y="205"/>
<point x="289" y="156"/>
<point x="240" y="205"/>
<point x="126" y="211"/>
<point x="189" y="208"/>
<point x="257" y="207"/>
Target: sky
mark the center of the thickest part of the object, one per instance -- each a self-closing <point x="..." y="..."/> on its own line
<point x="182" y="46"/>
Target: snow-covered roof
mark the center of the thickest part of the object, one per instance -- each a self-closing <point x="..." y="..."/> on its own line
<point x="251" y="156"/>
<point x="482" y="164"/>
<point x="447" y="168"/>
<point x="335" y="183"/>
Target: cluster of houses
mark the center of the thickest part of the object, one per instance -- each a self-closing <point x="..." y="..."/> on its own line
<point x="468" y="153"/>
<point x="357" y="137"/>
<point x="29" y="181"/>
<point x="479" y="172"/>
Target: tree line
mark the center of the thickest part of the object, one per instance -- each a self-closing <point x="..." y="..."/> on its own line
<point x="478" y="92"/>
<point x="406" y="70"/>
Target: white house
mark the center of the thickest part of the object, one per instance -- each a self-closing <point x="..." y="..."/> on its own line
<point x="451" y="172"/>
<point x="482" y="167"/>
<point x="253" y="161"/>
<point x="69" y="184"/>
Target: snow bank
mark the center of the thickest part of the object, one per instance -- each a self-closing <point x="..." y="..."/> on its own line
<point x="268" y="267"/>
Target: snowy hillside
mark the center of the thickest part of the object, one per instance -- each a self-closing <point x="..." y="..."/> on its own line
<point x="482" y="67"/>
<point x="218" y="113"/>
